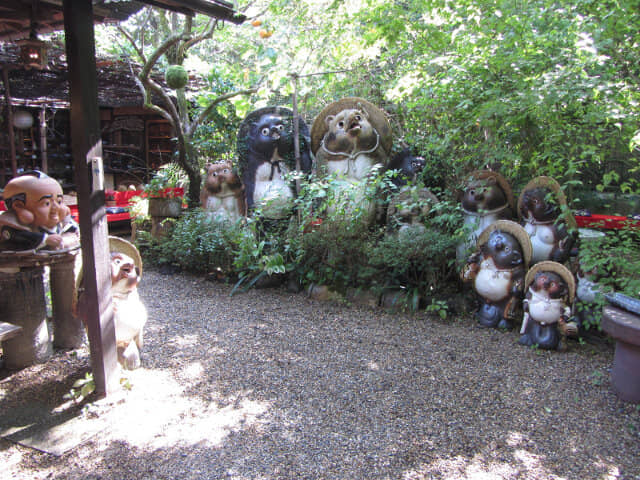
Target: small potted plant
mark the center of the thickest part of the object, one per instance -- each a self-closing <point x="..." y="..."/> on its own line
<point x="164" y="192"/>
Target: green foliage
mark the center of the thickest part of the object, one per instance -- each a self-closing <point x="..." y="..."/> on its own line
<point x="260" y="251"/>
<point x="81" y="388"/>
<point x="415" y="257"/>
<point x="615" y="259"/>
<point x="170" y="175"/>
<point x="200" y="243"/>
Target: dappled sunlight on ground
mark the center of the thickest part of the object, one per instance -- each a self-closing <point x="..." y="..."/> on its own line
<point x="156" y="413"/>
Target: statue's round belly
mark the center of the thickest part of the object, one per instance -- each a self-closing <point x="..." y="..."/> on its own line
<point x="493" y="285"/>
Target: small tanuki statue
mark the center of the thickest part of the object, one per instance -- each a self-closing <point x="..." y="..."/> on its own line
<point x="36" y="216"/>
<point x="409" y="208"/>
<point x="497" y="271"/>
<point x="351" y="140"/>
<point x="129" y="313"/>
<point x="407" y="166"/>
<point x="223" y="193"/>
<point x="487" y="197"/>
<point x="549" y="224"/>
<point x="550" y="291"/>
<point x="266" y="157"/>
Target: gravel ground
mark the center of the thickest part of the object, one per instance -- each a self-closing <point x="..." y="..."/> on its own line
<point x="273" y="385"/>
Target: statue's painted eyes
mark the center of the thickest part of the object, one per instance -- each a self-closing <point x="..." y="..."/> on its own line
<point x="226" y="170"/>
<point x="507" y="249"/>
<point x="341" y="124"/>
<point x="280" y="128"/>
<point x="265" y="131"/>
<point x="358" y="118"/>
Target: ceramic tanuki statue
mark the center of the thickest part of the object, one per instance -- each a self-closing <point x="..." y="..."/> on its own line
<point x="351" y="139"/>
<point x="547" y="306"/>
<point x="266" y="156"/>
<point x="36" y="216"/>
<point x="540" y="208"/>
<point x="408" y="168"/>
<point x="497" y="271"/>
<point x="487" y="197"/>
<point x="129" y="313"/>
<point x="223" y="192"/>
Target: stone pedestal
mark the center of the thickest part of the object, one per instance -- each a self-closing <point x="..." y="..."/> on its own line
<point x="23" y="303"/>
<point x="624" y="327"/>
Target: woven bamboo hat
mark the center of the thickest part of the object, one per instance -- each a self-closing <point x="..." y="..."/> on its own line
<point x="551" y="184"/>
<point x="117" y="244"/>
<point x="555" y="267"/>
<point x="514" y="229"/>
<point x="499" y="179"/>
<point x="377" y="118"/>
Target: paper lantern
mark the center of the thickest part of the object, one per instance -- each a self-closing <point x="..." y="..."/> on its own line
<point x="22" y="119"/>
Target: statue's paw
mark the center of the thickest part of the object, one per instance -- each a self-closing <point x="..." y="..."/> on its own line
<point x="525" y="340"/>
<point x="570" y="329"/>
<point x="505" y="324"/>
<point x="131" y="357"/>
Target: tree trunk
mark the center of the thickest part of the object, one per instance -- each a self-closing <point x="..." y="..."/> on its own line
<point x="192" y="168"/>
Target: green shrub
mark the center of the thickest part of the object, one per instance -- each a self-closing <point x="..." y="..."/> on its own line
<point x="198" y="243"/>
<point x="615" y="258"/>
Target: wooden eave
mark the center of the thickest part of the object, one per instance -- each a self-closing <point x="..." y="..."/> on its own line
<point x="16" y="15"/>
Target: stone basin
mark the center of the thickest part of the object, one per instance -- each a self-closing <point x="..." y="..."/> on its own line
<point x="624" y="327"/>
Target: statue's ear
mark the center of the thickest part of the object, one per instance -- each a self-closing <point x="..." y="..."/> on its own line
<point x="25" y="217"/>
<point x="328" y="119"/>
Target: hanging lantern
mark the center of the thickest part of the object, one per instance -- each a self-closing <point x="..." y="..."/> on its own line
<point x="22" y="119"/>
<point x="33" y="52"/>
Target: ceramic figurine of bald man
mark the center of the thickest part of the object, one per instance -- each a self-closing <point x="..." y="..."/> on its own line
<point x="36" y="216"/>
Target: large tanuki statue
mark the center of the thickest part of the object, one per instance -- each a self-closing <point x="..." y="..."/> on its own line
<point x="36" y="216"/>
<point x="497" y="271"/>
<point x="265" y="158"/>
<point x="351" y="140"/>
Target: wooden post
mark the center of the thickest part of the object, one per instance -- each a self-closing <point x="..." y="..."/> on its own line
<point x="42" y="116"/>
<point x="12" y="138"/>
<point x="86" y="146"/>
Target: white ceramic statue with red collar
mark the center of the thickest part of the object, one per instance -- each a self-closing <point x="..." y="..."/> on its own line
<point x="36" y="216"/>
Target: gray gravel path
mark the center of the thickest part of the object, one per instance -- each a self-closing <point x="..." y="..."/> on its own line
<point x="273" y="385"/>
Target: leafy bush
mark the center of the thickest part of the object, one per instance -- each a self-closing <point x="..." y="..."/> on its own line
<point x="198" y="243"/>
<point x="615" y="259"/>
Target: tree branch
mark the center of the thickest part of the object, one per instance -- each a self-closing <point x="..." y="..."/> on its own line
<point x="132" y="41"/>
<point x="207" y="111"/>
<point x="158" y="53"/>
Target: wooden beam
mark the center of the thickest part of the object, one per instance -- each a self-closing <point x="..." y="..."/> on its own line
<point x="86" y="146"/>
